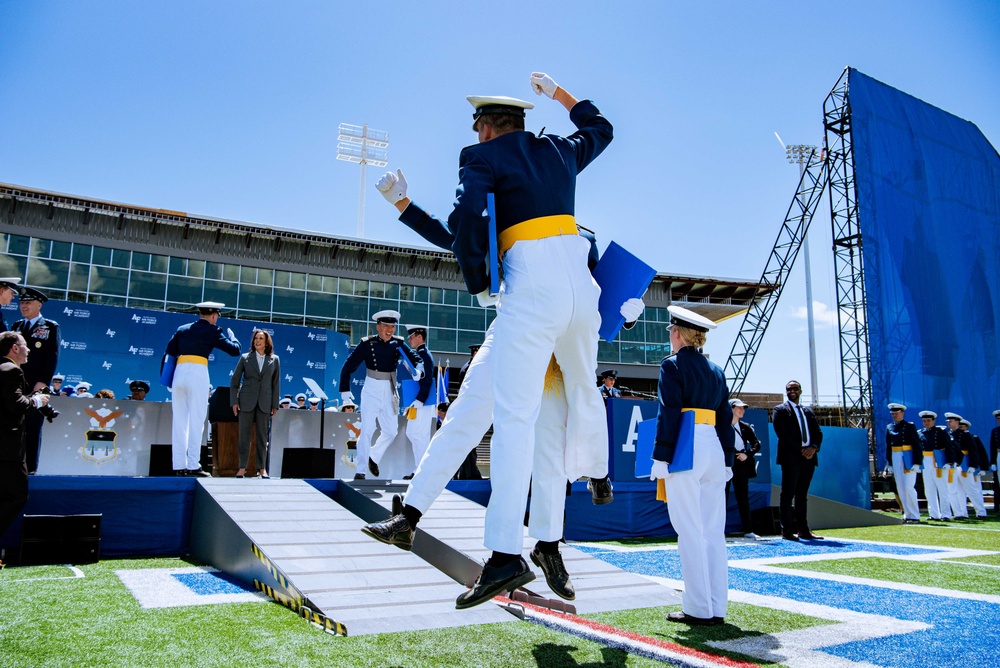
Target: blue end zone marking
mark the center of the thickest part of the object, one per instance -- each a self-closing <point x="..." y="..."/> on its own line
<point x="206" y="584"/>
<point x="962" y="632"/>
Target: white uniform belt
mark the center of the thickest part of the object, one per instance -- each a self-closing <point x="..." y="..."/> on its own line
<point x="382" y="375"/>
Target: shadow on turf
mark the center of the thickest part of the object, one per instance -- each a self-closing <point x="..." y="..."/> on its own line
<point x="558" y="656"/>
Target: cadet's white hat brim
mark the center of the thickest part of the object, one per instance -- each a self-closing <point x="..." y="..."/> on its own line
<point x="478" y="101"/>
<point x="952" y="416"/>
<point x="387" y="316"/>
<point x="690" y="319"/>
<point x="897" y="407"/>
<point x="928" y="414"/>
<point x="218" y="306"/>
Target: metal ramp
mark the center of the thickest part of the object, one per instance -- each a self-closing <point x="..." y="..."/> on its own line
<point x="316" y="543"/>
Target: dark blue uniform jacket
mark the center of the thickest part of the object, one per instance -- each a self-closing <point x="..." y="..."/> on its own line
<point x="689" y="380"/>
<point x="378" y="355"/>
<point x="200" y="338"/>
<point x="530" y="176"/>
<point x="428" y="379"/>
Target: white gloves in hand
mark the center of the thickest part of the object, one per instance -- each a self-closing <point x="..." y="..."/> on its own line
<point x="729" y="473"/>
<point x="232" y="336"/>
<point x="659" y="470"/>
<point x="915" y="469"/>
<point x="392" y="186"/>
<point x="418" y="373"/>
<point x="632" y="309"/>
<point x="346" y="397"/>
<point x="486" y="299"/>
<point x="888" y="470"/>
<point x="543" y="83"/>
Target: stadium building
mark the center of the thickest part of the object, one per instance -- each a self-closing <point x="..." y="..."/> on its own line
<point x="87" y="250"/>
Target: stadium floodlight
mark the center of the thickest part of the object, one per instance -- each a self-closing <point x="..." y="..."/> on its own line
<point x="362" y="146"/>
<point x="802" y="155"/>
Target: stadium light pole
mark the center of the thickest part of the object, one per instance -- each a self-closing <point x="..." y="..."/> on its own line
<point x="363" y="146"/>
<point x="800" y="154"/>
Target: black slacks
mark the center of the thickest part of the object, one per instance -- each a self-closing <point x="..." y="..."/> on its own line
<point x="795" y="479"/>
<point x="13" y="491"/>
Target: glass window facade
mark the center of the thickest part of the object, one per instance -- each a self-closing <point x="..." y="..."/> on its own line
<point x="91" y="273"/>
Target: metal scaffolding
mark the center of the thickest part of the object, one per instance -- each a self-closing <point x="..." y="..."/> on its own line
<point x="848" y="259"/>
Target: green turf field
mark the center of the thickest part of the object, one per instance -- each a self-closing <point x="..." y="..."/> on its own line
<point x="50" y="618"/>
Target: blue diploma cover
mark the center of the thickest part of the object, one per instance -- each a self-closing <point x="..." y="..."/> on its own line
<point x="622" y="276"/>
<point x="167" y="368"/>
<point x="939" y="458"/>
<point x="408" y="390"/>
<point x="683" y="452"/>
<point x="491" y="209"/>
<point x="907" y="459"/>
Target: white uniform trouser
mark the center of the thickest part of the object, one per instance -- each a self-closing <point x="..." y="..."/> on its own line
<point x="696" y="502"/>
<point x="418" y="430"/>
<point x="933" y="488"/>
<point x="971" y="489"/>
<point x="190" y="408"/>
<point x="378" y="406"/>
<point x="905" y="487"/>
<point x="548" y="306"/>
<point x="956" y="494"/>
<point x="465" y="424"/>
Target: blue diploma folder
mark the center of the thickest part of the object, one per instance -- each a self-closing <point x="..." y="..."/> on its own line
<point x="491" y="209"/>
<point x="408" y="390"/>
<point x="683" y="452"/>
<point x="622" y="276"/>
<point x="167" y="370"/>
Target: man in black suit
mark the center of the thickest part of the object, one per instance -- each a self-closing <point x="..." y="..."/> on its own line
<point x="13" y="407"/>
<point x="799" y="440"/>
<point x="42" y="337"/>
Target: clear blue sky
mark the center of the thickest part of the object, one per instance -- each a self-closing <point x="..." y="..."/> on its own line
<point x="230" y="109"/>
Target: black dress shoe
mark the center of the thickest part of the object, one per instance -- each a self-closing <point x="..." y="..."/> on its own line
<point x="600" y="491"/>
<point x="373" y="468"/>
<point x="199" y="473"/>
<point x="790" y="536"/>
<point x="556" y="576"/>
<point x="690" y="620"/>
<point x="809" y="535"/>
<point x="394" y="531"/>
<point x="180" y="472"/>
<point x="718" y="621"/>
<point x="494" y="580"/>
<point x="359" y="476"/>
<point x="408" y="477"/>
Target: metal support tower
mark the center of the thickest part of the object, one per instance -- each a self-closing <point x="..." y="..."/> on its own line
<point x="779" y="265"/>
<point x="848" y="259"/>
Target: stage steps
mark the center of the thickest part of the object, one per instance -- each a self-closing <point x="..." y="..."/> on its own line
<point x="450" y="536"/>
<point x="317" y="544"/>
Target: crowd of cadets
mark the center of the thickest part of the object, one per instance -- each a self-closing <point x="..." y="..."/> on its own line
<point x="952" y="461"/>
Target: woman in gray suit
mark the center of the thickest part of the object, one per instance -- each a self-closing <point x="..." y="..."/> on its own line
<point x="256" y="388"/>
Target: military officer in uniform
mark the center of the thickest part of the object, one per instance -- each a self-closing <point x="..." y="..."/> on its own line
<point x="900" y="438"/>
<point x="424" y="408"/>
<point x="547" y="291"/>
<point x="8" y="288"/>
<point x="138" y="389"/>
<point x="379" y="402"/>
<point x="57" y="383"/>
<point x="689" y="382"/>
<point x="42" y="337"/>
<point x="995" y="460"/>
<point x="962" y="452"/>
<point x="300" y="401"/>
<point x="608" y="389"/>
<point x="971" y="476"/>
<point x="935" y="444"/>
<point x="190" y="346"/>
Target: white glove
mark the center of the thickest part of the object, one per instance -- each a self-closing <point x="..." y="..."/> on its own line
<point x="486" y="299"/>
<point x="632" y="309"/>
<point x="659" y="470"/>
<point x="416" y="404"/>
<point x="993" y="468"/>
<point x="418" y="373"/>
<point x="38" y="401"/>
<point x="392" y="186"/>
<point x="729" y="473"/>
<point x="346" y="397"/>
<point x="915" y="469"/>
<point x="229" y="331"/>
<point x="946" y="466"/>
<point x="888" y="470"/>
<point x="543" y="83"/>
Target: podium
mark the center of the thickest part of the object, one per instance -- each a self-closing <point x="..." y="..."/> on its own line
<point x="226" y="452"/>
